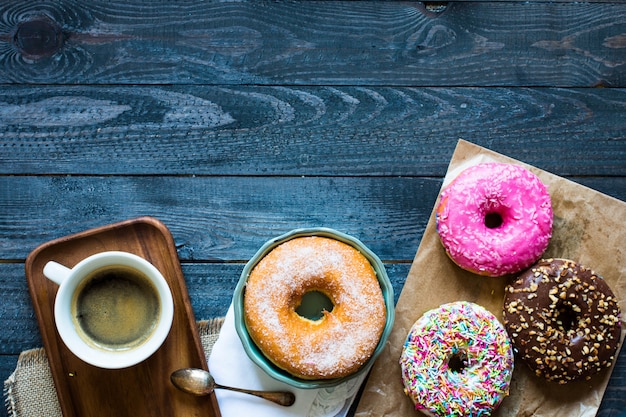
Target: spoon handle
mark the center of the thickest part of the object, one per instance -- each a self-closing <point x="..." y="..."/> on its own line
<point x="285" y="398"/>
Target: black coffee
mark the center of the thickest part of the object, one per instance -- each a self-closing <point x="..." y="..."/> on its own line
<point x="116" y="308"/>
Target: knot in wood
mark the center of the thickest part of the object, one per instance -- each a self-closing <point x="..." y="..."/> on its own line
<point x="39" y="37"/>
<point x="433" y="8"/>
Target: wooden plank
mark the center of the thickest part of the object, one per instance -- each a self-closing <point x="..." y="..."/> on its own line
<point x="347" y="131"/>
<point x="436" y="5"/>
<point x="7" y="366"/>
<point x="227" y="218"/>
<point x="17" y="317"/>
<point x="218" y="218"/>
<point x="313" y="43"/>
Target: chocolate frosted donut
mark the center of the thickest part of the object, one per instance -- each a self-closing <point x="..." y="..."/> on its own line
<point x="563" y="319"/>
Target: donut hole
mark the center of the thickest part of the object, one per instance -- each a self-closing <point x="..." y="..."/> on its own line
<point x="493" y="220"/>
<point x="566" y="318"/>
<point x="457" y="361"/>
<point x="313" y="305"/>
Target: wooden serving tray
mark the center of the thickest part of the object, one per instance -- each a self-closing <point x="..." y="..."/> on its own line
<point x="144" y="389"/>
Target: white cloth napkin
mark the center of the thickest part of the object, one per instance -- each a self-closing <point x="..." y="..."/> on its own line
<point x="230" y="366"/>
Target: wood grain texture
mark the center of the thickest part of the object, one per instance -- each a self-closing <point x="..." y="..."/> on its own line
<point x="313" y="43"/>
<point x="234" y="122"/>
<point x="225" y="219"/>
<point x="348" y="131"/>
<point x="219" y="218"/>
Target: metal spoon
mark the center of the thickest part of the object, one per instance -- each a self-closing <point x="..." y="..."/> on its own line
<point x="200" y="382"/>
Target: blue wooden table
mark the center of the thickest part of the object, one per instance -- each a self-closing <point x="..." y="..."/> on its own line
<point x="234" y="122"/>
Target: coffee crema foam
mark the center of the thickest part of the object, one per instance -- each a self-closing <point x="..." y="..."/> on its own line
<point x="116" y="308"/>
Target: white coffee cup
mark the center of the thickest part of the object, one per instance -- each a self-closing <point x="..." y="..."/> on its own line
<point x="113" y="309"/>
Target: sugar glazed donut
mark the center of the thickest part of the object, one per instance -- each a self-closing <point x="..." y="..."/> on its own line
<point x="343" y="339"/>
<point x="457" y="361"/>
<point x="495" y="219"/>
<point x="563" y="319"/>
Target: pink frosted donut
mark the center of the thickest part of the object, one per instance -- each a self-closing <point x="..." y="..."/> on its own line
<point x="495" y="219"/>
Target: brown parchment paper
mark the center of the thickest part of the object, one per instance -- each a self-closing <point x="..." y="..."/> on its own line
<point x="588" y="228"/>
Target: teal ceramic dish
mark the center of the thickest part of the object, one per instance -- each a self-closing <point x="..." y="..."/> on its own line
<point x="255" y="354"/>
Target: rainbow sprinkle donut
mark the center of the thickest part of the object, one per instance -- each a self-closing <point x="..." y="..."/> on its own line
<point x="457" y="361"/>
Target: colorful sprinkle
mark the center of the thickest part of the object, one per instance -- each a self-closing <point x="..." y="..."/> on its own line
<point x="457" y="361"/>
<point x="495" y="219"/>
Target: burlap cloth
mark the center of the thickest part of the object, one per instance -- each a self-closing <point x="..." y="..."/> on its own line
<point x="30" y="392"/>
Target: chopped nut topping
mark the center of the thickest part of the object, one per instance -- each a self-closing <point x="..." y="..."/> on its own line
<point x="553" y="303"/>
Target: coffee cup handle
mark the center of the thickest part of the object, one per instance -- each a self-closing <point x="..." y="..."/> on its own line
<point x="56" y="272"/>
